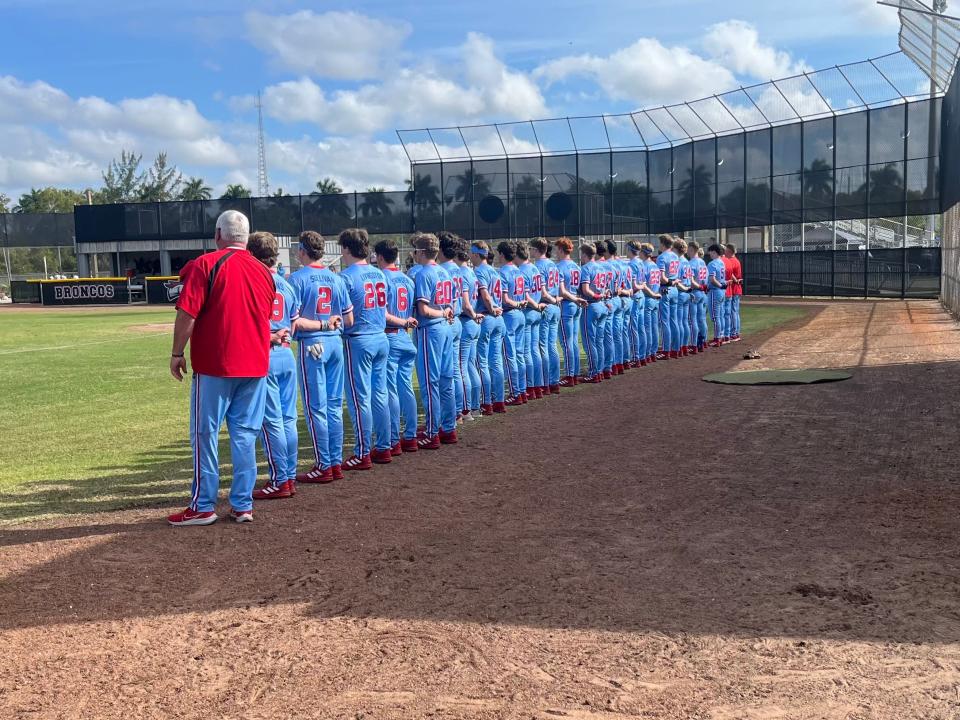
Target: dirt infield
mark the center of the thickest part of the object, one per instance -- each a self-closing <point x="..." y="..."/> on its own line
<point x="654" y="547"/>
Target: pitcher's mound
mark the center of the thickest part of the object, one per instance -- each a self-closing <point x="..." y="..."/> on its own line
<point x="778" y="377"/>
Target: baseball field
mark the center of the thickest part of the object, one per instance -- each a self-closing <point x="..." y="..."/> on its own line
<point x="652" y="547"/>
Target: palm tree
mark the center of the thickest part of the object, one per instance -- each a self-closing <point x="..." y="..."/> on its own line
<point x="328" y="186"/>
<point x="235" y="191"/>
<point x="422" y="191"/>
<point x="196" y="189"/>
<point x="818" y="182"/>
<point x="471" y="188"/>
<point x="375" y="203"/>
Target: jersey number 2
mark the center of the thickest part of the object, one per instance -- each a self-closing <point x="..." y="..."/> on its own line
<point x="324" y="298"/>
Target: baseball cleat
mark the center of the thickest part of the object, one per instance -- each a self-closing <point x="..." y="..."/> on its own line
<point x="566" y="381"/>
<point x="735" y="338"/>
<point x="241" y="516"/>
<point x="555" y="389"/>
<point x="192" y="517"/>
<point x="291" y="487"/>
<point x="396" y="450"/>
<point x="515" y="401"/>
<point x="316" y="475"/>
<point x="337" y="472"/>
<point x="593" y="380"/>
<point x="448" y="438"/>
<point x="382" y="457"/>
<point x="356" y="463"/>
<point x="499" y="408"/>
<point x="715" y="343"/>
<point x="487" y="409"/>
<point x="429" y="443"/>
<point x="607" y="374"/>
<point x="272" y="491"/>
<point x="409" y="445"/>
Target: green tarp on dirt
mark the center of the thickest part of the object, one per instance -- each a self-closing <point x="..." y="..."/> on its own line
<point x="778" y="377"/>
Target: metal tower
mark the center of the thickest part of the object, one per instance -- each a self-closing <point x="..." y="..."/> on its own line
<point x="263" y="186"/>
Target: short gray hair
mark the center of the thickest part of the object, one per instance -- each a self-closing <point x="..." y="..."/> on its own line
<point x="234" y="226"/>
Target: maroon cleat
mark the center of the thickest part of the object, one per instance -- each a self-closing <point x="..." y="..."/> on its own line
<point x="566" y="381"/>
<point x="292" y="487"/>
<point x="355" y="463"/>
<point x="192" y="517"/>
<point x="499" y="408"/>
<point x="316" y="475"/>
<point x="554" y="389"/>
<point x="241" y="516"/>
<point x="486" y="410"/>
<point x="429" y="443"/>
<point x="448" y="438"/>
<point x="272" y="491"/>
<point x="337" y="472"/>
<point x="409" y="445"/>
<point x="607" y="374"/>
<point x="382" y="457"/>
<point x="515" y="401"/>
<point x="396" y="450"/>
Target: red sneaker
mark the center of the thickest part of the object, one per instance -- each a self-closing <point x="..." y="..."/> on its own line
<point x="396" y="450"/>
<point x="524" y="397"/>
<point x="421" y="432"/>
<point x="607" y="374"/>
<point x="241" y="516"/>
<point x="715" y="343"/>
<point x="448" y="438"/>
<point x="554" y="389"/>
<point x="429" y="443"/>
<point x="487" y="409"/>
<point x="566" y="381"/>
<point x="643" y="363"/>
<point x="355" y="463"/>
<point x="316" y="475"/>
<point x="291" y="487"/>
<point x="192" y="517"/>
<point x="499" y="408"/>
<point x="337" y="472"/>
<point x="515" y="401"/>
<point x="272" y="492"/>
<point x="735" y="338"/>
<point x="592" y="380"/>
<point x="382" y="457"/>
<point x="408" y="446"/>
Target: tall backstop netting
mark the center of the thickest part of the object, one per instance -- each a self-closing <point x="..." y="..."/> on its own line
<point x="950" y="198"/>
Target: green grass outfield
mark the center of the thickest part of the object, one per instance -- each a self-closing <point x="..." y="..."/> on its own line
<point x="92" y="420"/>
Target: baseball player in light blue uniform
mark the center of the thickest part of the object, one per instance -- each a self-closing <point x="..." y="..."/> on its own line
<point x="324" y="306"/>
<point x="471" y="321"/>
<point x="403" y="354"/>
<point x="571" y="308"/>
<point x="653" y="302"/>
<point x="593" y="278"/>
<point x="279" y="432"/>
<point x="367" y="351"/>
<point x="533" y="314"/>
<point x="669" y="265"/>
<point x="684" y="287"/>
<point x="449" y="243"/>
<point x="605" y="275"/>
<point x="638" y="318"/>
<point x="514" y="337"/>
<point x="434" y="295"/>
<point x="550" y="321"/>
<point x="717" y="282"/>
<point x="698" y="307"/>
<point x="490" y="343"/>
<point x="624" y="293"/>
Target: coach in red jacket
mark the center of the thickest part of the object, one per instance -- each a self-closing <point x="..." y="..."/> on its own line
<point x="734" y="291"/>
<point x="224" y="312"/>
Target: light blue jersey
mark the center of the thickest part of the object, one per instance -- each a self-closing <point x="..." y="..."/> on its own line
<point x="321" y="295"/>
<point x="453" y="270"/>
<point x="367" y="288"/>
<point x="490" y="280"/>
<point x="433" y="286"/>
<point x="532" y="280"/>
<point x="286" y="307"/>
<point x="400" y="291"/>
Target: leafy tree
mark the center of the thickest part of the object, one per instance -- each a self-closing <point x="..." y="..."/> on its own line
<point x="235" y="191"/>
<point x="4" y="203"/>
<point x="280" y="193"/>
<point x="162" y="181"/>
<point x="195" y="189"/>
<point x="469" y="183"/>
<point x="123" y="181"/>
<point x="375" y="203"/>
<point x="49" y="200"/>
<point x="328" y="186"/>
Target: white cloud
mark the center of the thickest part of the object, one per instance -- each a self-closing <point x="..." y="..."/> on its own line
<point x="736" y="45"/>
<point x="340" y="45"/>
<point x="869" y="16"/>
<point x="646" y="72"/>
<point x="412" y="96"/>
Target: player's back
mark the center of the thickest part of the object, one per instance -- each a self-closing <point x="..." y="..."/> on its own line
<point x="515" y="285"/>
<point x="685" y="272"/>
<point x="699" y="270"/>
<point x="716" y="269"/>
<point x="285" y="306"/>
<point x="399" y="293"/>
<point x="532" y="280"/>
<point x="654" y="275"/>
<point x="453" y="272"/>
<point x="433" y="286"/>
<point x="470" y="284"/>
<point x="368" y="294"/>
<point x="321" y="295"/>
<point x="569" y="275"/>
<point x="489" y="279"/>
<point x="669" y="265"/>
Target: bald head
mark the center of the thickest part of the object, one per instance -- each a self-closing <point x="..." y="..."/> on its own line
<point x="233" y="228"/>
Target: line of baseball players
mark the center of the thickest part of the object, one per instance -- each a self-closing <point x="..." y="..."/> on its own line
<point x="483" y="339"/>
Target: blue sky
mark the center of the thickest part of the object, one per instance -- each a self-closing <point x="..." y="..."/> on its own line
<point x="80" y="82"/>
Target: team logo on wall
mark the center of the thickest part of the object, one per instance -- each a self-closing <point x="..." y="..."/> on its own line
<point x="83" y="292"/>
<point x="173" y="289"/>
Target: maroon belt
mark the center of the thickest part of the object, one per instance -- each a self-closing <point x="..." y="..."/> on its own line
<point x="391" y="331"/>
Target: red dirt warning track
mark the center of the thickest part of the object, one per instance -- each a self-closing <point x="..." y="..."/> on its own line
<point x="759" y="552"/>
